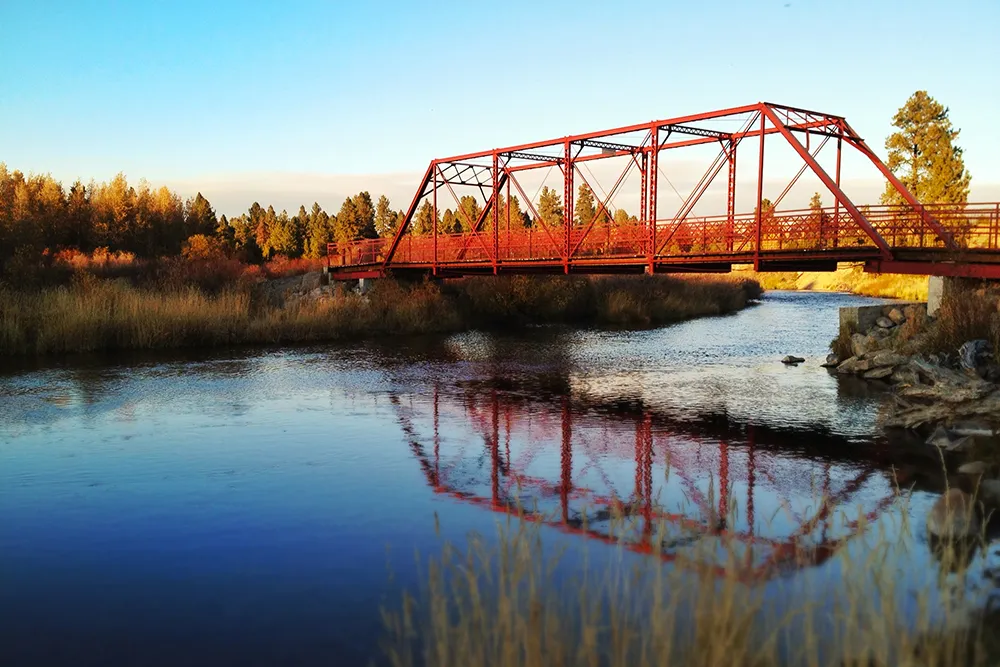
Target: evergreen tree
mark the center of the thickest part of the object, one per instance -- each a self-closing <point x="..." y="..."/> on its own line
<point x="470" y="211"/>
<point x="199" y="217"/>
<point x="584" y="209"/>
<point x="450" y="224"/>
<point x="423" y="223"/>
<point x="226" y="234"/>
<point x="318" y="232"/>
<point x="923" y="154"/>
<point x="385" y="217"/>
<point x="550" y="207"/>
<point x="282" y="240"/>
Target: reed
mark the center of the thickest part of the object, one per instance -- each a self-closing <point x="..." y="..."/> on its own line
<point x="91" y="314"/>
<point x="505" y="600"/>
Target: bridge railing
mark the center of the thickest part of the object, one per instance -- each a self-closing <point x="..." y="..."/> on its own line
<point x="971" y="226"/>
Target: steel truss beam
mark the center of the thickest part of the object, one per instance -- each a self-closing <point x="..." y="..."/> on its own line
<point x="736" y="232"/>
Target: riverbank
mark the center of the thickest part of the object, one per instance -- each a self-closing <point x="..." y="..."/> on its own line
<point x="847" y="278"/>
<point x="91" y="314"/>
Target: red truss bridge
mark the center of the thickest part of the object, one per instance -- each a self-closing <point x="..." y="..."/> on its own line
<point x="936" y="239"/>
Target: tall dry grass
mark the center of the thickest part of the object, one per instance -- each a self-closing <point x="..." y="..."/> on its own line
<point x="92" y="314"/>
<point x="847" y="278"/>
<point x="505" y="601"/>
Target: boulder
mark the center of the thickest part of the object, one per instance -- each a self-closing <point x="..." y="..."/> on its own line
<point x="862" y="344"/>
<point x="953" y="515"/>
<point x="989" y="492"/>
<point x="904" y="375"/>
<point x="849" y="365"/>
<point x="885" y="323"/>
<point x="789" y="360"/>
<point x="878" y="333"/>
<point x="832" y="361"/>
<point x="862" y="366"/>
<point x="974" y="354"/>
<point x="973" y="468"/>
<point x="896" y="315"/>
<point x="884" y="358"/>
<point x="311" y="281"/>
<point x="879" y="373"/>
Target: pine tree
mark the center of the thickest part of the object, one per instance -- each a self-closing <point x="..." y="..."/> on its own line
<point x="423" y="224"/>
<point x="584" y="209"/>
<point x="385" y="217"/>
<point x="550" y="207"/>
<point x="450" y="224"/>
<point x="199" y="217"/>
<point x="318" y="232"/>
<point x="924" y="156"/>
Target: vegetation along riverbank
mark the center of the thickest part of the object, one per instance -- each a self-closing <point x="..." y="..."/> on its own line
<point x="847" y="278"/>
<point x="177" y="309"/>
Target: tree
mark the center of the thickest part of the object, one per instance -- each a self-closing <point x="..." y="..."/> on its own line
<point x="366" y="215"/>
<point x="199" y="217"/>
<point x="385" y="217"/>
<point x="423" y="224"/>
<point x="318" y="232"/>
<point x="450" y="223"/>
<point x="283" y="239"/>
<point x="923" y="155"/>
<point x="622" y="218"/>
<point x="550" y="207"/>
<point x="584" y="208"/>
<point x="470" y="206"/>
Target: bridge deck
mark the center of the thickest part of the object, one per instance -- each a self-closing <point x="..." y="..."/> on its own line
<point x="794" y="240"/>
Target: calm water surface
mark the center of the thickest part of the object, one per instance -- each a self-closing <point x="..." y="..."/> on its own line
<point x="245" y="507"/>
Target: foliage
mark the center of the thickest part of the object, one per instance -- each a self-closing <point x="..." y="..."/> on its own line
<point x="584" y="209"/>
<point x="550" y="207"/>
<point x="923" y="154"/>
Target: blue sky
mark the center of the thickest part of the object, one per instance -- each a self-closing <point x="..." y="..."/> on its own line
<point x="244" y="96"/>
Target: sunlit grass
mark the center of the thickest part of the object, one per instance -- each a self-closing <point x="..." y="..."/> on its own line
<point x="506" y="600"/>
<point x="93" y="314"/>
<point x="847" y="278"/>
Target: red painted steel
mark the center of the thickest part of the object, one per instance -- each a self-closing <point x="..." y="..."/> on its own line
<point x="938" y="239"/>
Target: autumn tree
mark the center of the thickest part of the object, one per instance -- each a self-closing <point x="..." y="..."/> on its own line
<point x="923" y="154"/>
<point x="385" y="217"/>
<point x="550" y="207"/>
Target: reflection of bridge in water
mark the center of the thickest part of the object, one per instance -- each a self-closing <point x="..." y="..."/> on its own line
<point x="722" y="481"/>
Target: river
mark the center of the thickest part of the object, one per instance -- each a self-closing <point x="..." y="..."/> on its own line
<point x="246" y="507"/>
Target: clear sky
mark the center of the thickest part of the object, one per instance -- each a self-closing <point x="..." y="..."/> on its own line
<point x="241" y="96"/>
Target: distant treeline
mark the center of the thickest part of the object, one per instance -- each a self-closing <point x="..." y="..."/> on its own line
<point x="37" y="214"/>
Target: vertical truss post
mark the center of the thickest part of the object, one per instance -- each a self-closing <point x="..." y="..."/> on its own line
<point x="434" y="222"/>
<point x="567" y="204"/>
<point x="731" y="197"/>
<point x="496" y="212"/>
<point x="836" y="202"/>
<point x="759" y="217"/>
<point x="507" y="206"/>
<point x="643" y="194"/>
<point x="654" y="151"/>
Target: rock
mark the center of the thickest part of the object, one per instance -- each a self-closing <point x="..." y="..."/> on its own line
<point x="975" y="356"/>
<point x="885" y="323"/>
<point x="972" y="468"/>
<point x="792" y="360"/>
<point x="972" y="428"/>
<point x="311" y="281"/>
<point x="904" y="375"/>
<point x="953" y="515"/>
<point x="849" y="365"/>
<point x="989" y="492"/>
<point x="939" y="438"/>
<point x="832" y="361"/>
<point x="886" y="358"/>
<point x="878" y="333"/>
<point x="914" y="311"/>
<point x="897" y="316"/>
<point x="879" y="373"/>
<point x="862" y="344"/>
<point x="862" y="366"/>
